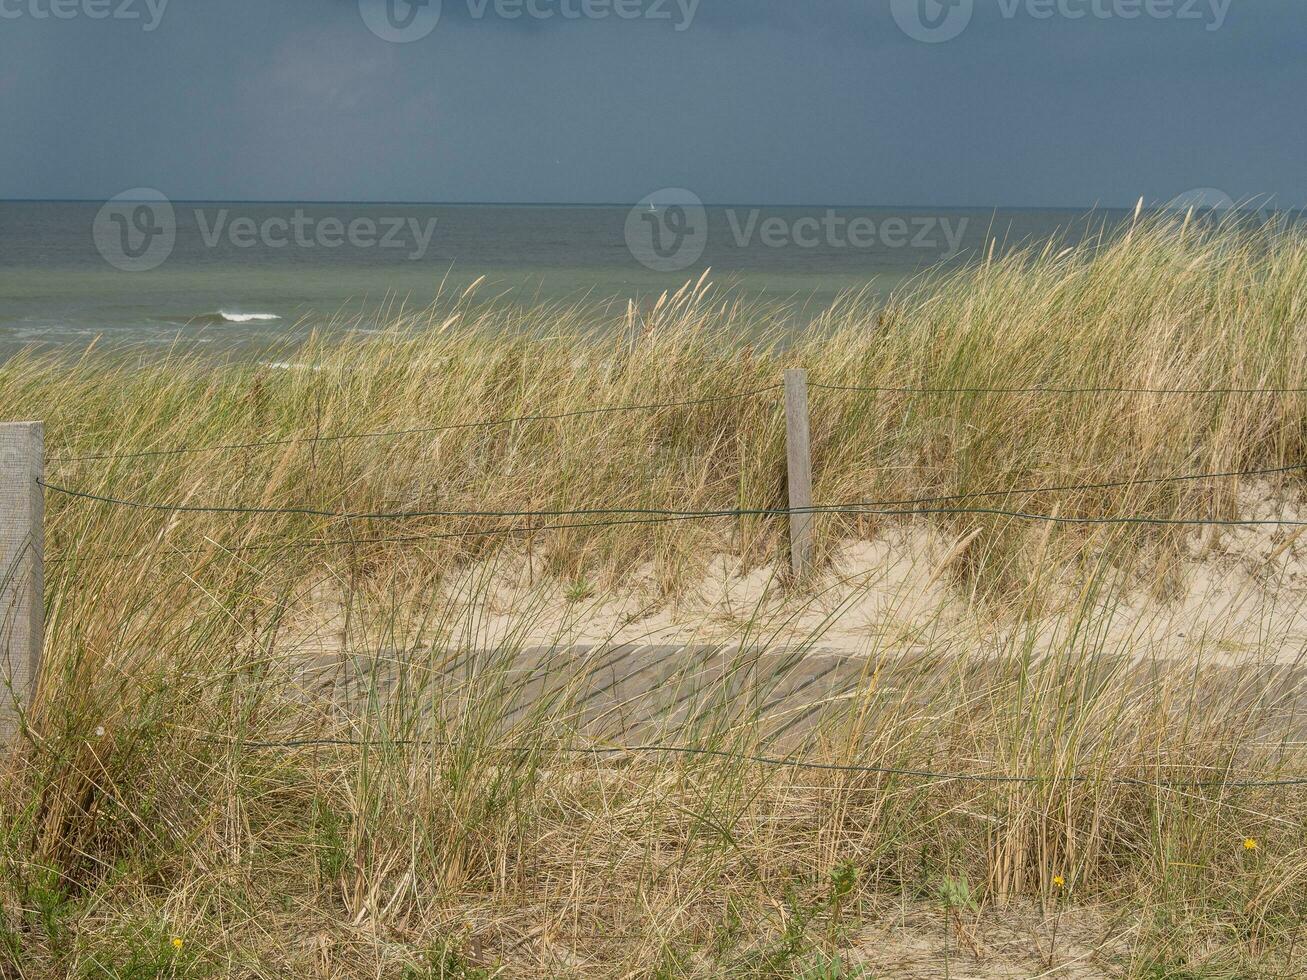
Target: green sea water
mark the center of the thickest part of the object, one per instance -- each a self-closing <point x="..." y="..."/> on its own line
<point x="257" y="275"/>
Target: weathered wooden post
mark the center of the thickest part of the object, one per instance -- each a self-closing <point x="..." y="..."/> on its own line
<point x="799" y="461"/>
<point x="22" y="567"/>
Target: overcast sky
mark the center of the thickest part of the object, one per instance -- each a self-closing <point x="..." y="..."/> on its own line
<point x="758" y="101"/>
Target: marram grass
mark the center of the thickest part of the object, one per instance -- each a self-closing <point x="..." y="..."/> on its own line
<point x="139" y="837"/>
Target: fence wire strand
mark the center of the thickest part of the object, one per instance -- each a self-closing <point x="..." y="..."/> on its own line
<point x="851" y="506"/>
<point x="423" y="430"/>
<point x="788" y="763"/>
<point x="655" y="406"/>
<point x="1040" y="390"/>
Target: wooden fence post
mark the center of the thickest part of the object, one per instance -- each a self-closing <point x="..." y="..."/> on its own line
<point x="798" y="451"/>
<point x="22" y="567"/>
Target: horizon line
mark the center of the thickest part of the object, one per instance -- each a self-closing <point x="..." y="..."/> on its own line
<point x="587" y="204"/>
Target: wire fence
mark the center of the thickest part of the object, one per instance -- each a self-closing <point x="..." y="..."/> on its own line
<point x="1041" y="390"/>
<point x="422" y="430"/>
<point x="634" y="516"/>
<point x="609" y="517"/>
<point x="862" y="506"/>
<point x="634" y="751"/>
<point x="649" y="407"/>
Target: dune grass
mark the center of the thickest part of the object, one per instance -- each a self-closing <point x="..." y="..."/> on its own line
<point x="143" y="835"/>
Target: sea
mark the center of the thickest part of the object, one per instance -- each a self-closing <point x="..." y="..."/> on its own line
<point x="145" y="274"/>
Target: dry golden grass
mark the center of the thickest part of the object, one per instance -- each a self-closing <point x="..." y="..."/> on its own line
<point x="452" y="847"/>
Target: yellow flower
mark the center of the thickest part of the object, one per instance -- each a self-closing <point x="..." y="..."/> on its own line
<point x="177" y="942"/>
<point x="1250" y="844"/>
<point x="1059" y="881"/>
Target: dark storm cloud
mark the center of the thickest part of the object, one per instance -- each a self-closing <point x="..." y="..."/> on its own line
<point x="821" y="101"/>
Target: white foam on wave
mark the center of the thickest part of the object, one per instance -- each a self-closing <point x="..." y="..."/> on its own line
<point x="246" y="317"/>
